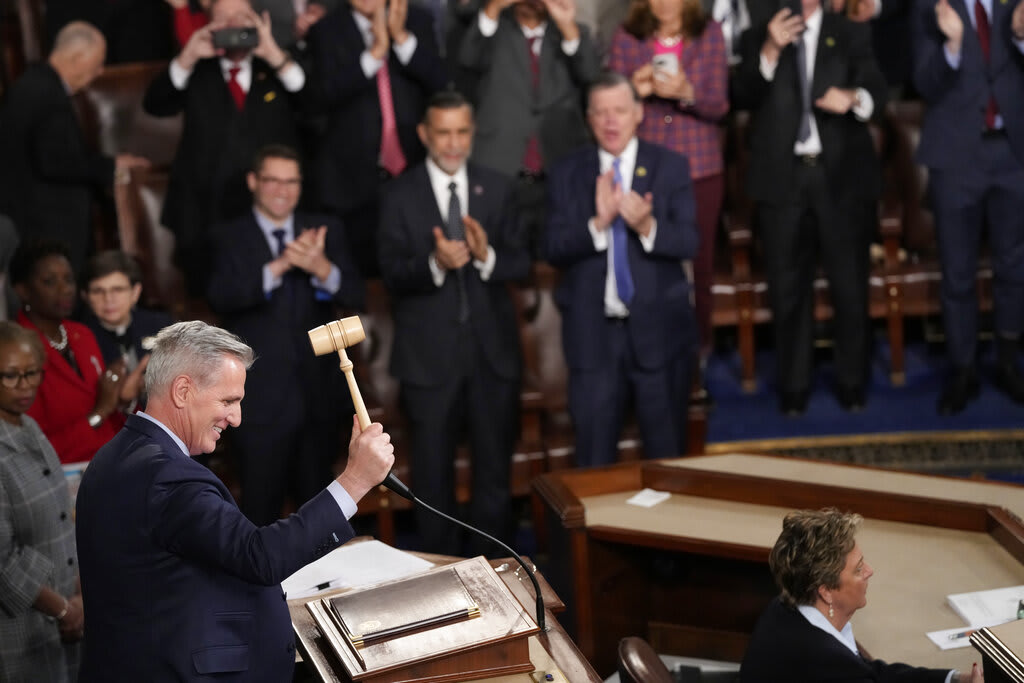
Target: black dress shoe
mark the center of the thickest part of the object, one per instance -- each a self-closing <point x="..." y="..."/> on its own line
<point x="961" y="387"/>
<point x="850" y="398"/>
<point x="1008" y="380"/>
<point x="793" y="403"/>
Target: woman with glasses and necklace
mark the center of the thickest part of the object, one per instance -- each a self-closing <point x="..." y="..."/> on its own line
<point x="41" y="617"/>
<point x="79" y="399"/>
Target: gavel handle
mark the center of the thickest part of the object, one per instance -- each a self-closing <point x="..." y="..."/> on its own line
<point x="391" y="481"/>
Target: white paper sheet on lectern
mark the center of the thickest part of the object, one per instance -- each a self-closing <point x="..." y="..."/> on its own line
<point x="352" y="566"/>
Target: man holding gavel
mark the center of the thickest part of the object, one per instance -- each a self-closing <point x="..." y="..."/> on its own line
<point x="449" y="243"/>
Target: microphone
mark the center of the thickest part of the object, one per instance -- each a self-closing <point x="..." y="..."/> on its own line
<point x="395" y="484"/>
<point x="338" y="335"/>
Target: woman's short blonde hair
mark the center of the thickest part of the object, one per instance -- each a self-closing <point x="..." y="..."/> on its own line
<point x="811" y="552"/>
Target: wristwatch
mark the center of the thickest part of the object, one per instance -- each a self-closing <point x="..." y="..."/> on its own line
<point x="95" y="420"/>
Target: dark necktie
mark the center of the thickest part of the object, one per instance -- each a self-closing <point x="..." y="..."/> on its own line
<point x="804" y="132"/>
<point x="288" y="279"/>
<point x="457" y="231"/>
<point x="278" y="234"/>
<point x="235" y="88"/>
<point x="620" y="251"/>
<point x="985" y="38"/>
<point x="734" y="29"/>
<point x="532" y="160"/>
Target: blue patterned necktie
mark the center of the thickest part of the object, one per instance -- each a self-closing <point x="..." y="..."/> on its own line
<point x="620" y="253"/>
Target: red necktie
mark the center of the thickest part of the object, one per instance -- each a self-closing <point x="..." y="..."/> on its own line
<point x="984" y="37"/>
<point x="391" y="156"/>
<point x="235" y="88"/>
<point x="532" y="160"/>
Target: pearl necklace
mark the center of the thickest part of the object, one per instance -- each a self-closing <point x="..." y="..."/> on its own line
<point x="63" y="343"/>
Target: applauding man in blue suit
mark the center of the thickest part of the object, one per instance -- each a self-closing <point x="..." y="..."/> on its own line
<point x="179" y="584"/>
<point x="620" y="223"/>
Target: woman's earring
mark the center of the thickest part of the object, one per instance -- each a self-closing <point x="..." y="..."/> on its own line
<point x="831" y="612"/>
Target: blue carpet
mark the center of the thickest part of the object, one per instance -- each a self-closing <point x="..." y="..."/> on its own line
<point x="911" y="408"/>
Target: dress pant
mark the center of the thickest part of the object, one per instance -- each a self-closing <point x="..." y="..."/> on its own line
<point x="530" y="199"/>
<point x="599" y="398"/>
<point x="474" y="402"/>
<point x="961" y="202"/>
<point x="794" y="237"/>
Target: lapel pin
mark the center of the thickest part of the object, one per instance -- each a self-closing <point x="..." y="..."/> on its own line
<point x="478" y="190"/>
<point x="830" y="41"/>
<point x="269" y="97"/>
<point x="641" y="171"/>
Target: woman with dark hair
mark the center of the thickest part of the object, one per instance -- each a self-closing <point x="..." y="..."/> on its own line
<point x="78" y="401"/>
<point x="40" y="598"/>
<point x="675" y="57"/>
<point x="805" y="635"/>
<point x="111" y="288"/>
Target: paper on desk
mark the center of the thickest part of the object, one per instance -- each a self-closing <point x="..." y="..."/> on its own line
<point x="648" y="498"/>
<point x="987" y="608"/>
<point x="951" y="638"/>
<point x="351" y="566"/>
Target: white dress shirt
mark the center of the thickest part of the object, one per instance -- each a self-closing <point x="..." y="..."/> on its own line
<point x="370" y="64"/>
<point x="292" y="77"/>
<point x="439" y="182"/>
<point x="613" y="305"/>
<point x="864" y="107"/>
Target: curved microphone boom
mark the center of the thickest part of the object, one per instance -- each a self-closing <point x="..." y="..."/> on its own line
<point x="338" y="335"/>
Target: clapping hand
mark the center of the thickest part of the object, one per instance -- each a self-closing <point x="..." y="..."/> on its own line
<point x="449" y="254"/>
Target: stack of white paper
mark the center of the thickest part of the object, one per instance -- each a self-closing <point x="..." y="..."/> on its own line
<point x="352" y="566"/>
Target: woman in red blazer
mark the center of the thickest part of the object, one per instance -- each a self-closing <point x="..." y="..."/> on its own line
<point x="78" y="400"/>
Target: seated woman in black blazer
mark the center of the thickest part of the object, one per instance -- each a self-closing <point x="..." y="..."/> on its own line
<point x="805" y="634"/>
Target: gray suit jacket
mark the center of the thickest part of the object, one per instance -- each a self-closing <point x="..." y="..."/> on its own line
<point x="507" y="112"/>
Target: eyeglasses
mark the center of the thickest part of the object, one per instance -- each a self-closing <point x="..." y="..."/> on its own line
<point x="11" y="380"/>
<point x="104" y="292"/>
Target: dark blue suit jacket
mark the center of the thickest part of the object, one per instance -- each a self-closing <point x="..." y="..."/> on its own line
<point x="178" y="584"/>
<point x="426" y="326"/>
<point x="661" y="323"/>
<point x="957" y="98"/>
<point x="286" y="380"/>
<point x="787" y="647"/>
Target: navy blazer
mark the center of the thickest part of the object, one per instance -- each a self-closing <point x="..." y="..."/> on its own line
<point x="426" y="317"/>
<point x="286" y="378"/>
<point x="145" y="323"/>
<point x="957" y="98"/>
<point x="661" y="323"/>
<point x="347" y="164"/>
<point x="786" y="647"/>
<point x="179" y="585"/>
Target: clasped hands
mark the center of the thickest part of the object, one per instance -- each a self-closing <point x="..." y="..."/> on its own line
<point x="610" y="201"/>
<point x="388" y="26"/>
<point x="454" y="254"/>
<point x="305" y="252"/>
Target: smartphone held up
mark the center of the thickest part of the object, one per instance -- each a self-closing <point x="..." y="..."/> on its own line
<point x="236" y="38"/>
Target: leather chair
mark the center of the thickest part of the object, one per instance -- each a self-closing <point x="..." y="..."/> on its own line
<point x="639" y="663"/>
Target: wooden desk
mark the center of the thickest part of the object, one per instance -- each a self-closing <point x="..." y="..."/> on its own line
<point x="691" y="574"/>
<point x="553" y="651"/>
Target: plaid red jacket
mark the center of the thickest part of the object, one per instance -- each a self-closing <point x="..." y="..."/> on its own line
<point x="689" y="130"/>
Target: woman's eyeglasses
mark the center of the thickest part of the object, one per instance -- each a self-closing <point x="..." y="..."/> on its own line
<point x="11" y="380"/>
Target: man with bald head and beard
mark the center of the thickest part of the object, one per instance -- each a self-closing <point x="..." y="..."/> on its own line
<point x="49" y="174"/>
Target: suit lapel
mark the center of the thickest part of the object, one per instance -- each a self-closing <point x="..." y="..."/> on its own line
<point x="478" y="198"/>
<point x="426" y="202"/>
<point x="641" y="182"/>
<point x="823" y="55"/>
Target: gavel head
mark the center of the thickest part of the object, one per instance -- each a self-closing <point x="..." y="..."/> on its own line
<point x="337" y="335"/>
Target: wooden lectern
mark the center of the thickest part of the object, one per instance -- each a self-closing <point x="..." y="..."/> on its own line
<point x="491" y="643"/>
<point x="1002" y="652"/>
